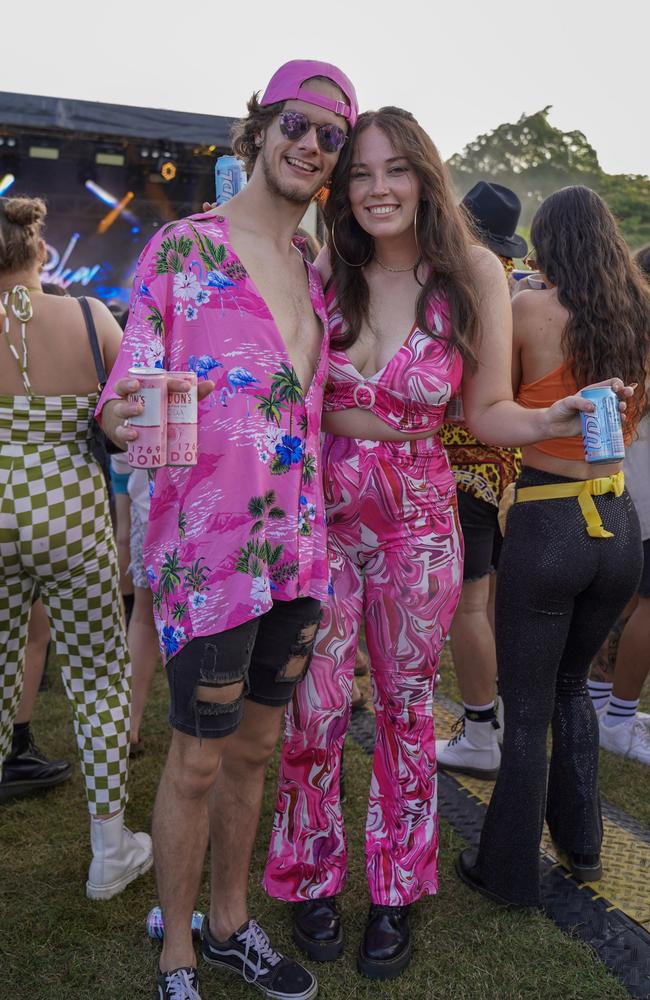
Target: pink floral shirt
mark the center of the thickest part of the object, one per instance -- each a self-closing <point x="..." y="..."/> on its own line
<point x="246" y="525"/>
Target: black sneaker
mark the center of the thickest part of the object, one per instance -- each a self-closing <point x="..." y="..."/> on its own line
<point x="249" y="954"/>
<point x="29" y="771"/>
<point x="178" y="984"/>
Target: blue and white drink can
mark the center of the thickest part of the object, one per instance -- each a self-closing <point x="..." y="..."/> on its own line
<point x="156" y="926"/>
<point x="602" y="430"/>
<point x="230" y="178"/>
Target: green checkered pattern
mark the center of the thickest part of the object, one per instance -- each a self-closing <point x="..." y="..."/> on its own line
<point x="55" y="529"/>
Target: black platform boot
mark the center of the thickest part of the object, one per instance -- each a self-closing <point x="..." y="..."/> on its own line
<point x="386" y="947"/>
<point x="317" y="929"/>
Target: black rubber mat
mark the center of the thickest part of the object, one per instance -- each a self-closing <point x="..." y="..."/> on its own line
<point x="622" y="945"/>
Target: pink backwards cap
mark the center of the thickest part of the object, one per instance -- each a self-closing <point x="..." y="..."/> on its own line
<point x="286" y="84"/>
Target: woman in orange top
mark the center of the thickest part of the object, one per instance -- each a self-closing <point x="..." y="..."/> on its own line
<point x="570" y="562"/>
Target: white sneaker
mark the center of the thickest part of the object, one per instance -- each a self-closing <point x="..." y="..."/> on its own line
<point x="474" y="750"/>
<point x="630" y="738"/>
<point x="119" y="856"/>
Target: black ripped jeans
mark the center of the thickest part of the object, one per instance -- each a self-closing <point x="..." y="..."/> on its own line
<point x="558" y="594"/>
<point x="269" y="655"/>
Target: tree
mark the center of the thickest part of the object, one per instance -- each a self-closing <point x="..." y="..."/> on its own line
<point x="534" y="158"/>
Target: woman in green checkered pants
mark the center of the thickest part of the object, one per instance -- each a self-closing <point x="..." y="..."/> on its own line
<point x="55" y="530"/>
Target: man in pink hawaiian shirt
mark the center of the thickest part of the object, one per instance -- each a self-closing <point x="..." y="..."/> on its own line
<point x="235" y="550"/>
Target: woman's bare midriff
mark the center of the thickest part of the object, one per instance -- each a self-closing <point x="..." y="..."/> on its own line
<point x="566" y="467"/>
<point x="367" y="426"/>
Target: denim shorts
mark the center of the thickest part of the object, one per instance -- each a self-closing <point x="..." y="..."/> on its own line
<point x="258" y="653"/>
<point x="482" y="535"/>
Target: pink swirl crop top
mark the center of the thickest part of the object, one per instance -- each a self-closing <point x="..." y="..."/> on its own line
<point x="410" y="393"/>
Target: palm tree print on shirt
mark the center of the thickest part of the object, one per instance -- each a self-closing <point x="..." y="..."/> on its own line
<point x="257" y="556"/>
<point x="285" y="393"/>
<point x="172" y="572"/>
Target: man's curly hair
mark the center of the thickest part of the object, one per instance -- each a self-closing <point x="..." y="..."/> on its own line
<point x="244" y="131"/>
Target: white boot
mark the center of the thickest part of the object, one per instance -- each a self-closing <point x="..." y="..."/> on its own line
<point x="474" y="750"/>
<point x="119" y="856"/>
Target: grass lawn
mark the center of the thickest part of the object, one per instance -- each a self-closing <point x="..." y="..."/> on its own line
<point x="56" y="945"/>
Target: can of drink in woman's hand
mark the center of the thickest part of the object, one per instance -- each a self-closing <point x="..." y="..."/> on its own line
<point x="156" y="925"/>
<point x="602" y="430"/>
<point x="149" y="450"/>
<point x="182" y="417"/>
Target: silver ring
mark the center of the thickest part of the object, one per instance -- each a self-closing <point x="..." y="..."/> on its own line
<point x="126" y="422"/>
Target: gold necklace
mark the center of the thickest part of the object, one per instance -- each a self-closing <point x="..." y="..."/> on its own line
<point x="21" y="306"/>
<point x="397" y="270"/>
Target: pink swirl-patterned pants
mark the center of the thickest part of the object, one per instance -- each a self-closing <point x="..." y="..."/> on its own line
<point x="395" y="552"/>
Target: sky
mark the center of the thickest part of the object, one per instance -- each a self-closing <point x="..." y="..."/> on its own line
<point x="462" y="67"/>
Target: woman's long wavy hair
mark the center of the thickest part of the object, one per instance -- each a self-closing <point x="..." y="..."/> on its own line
<point x="443" y="235"/>
<point x="580" y="249"/>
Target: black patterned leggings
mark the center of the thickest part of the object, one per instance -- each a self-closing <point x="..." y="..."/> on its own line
<point x="558" y="594"/>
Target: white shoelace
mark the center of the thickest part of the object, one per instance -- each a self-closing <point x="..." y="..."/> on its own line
<point x="180" y="987"/>
<point x="254" y="937"/>
<point x="641" y="732"/>
<point x="458" y="729"/>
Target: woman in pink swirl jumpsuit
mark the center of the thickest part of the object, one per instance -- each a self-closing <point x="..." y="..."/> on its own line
<point x="395" y="554"/>
<point x="409" y="299"/>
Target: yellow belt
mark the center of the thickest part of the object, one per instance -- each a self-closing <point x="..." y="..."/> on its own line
<point x="584" y="491"/>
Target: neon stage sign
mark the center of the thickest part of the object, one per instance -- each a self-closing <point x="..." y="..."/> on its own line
<point x="56" y="272"/>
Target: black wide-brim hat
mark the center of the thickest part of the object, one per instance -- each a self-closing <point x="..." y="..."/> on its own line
<point x="495" y="210"/>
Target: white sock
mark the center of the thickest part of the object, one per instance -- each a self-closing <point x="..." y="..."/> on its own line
<point x="599" y="692"/>
<point x="619" y="711"/>
<point x="480" y="713"/>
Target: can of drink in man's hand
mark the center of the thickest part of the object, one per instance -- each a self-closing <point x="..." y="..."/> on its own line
<point x="149" y="451"/>
<point x="156" y="925"/>
<point x="602" y="430"/>
<point x="230" y="178"/>
<point x="182" y="417"/>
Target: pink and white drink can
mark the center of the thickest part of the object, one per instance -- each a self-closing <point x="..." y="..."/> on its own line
<point x="149" y="450"/>
<point x="182" y="417"/>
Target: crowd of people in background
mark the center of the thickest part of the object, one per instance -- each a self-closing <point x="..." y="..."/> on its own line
<point x="448" y="497"/>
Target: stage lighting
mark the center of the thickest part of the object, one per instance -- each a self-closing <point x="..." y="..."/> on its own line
<point x="168" y="170"/>
<point x="6" y="182"/>
<point x="109" y="219"/>
<point x="44" y="152"/>
<point x="99" y="192"/>
<point x="106" y="159"/>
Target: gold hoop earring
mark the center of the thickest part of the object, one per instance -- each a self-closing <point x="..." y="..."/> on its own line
<point x="415" y="229"/>
<point x="340" y="255"/>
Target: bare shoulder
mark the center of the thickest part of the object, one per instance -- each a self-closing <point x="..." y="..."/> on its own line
<point x="486" y="266"/>
<point x="526" y="302"/>
<point x="99" y="309"/>
<point x="108" y="329"/>
<point x="532" y="304"/>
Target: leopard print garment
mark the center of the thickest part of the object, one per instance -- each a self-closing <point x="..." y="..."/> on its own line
<point x="479" y="469"/>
